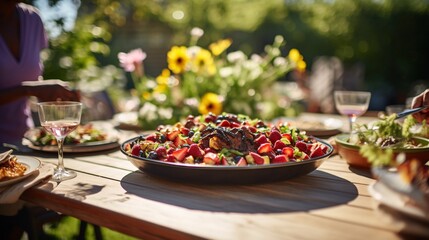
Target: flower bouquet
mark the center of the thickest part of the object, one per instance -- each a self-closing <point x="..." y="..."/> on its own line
<point x="201" y="80"/>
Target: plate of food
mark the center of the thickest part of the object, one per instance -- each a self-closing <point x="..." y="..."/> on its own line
<point x="226" y="148"/>
<point x="14" y="169"/>
<point x="361" y="149"/>
<point x="318" y="127"/>
<point x="404" y="188"/>
<point x="91" y="137"/>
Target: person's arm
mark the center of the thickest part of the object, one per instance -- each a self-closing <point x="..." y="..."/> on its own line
<point x="419" y="101"/>
<point x="47" y="90"/>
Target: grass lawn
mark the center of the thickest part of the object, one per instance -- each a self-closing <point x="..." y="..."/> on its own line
<point x="68" y="228"/>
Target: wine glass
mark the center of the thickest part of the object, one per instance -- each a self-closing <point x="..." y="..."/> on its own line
<point x="60" y="118"/>
<point x="352" y="104"/>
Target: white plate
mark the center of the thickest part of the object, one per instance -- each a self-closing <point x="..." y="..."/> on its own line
<point x="315" y="126"/>
<point x="32" y="165"/>
<point x="396" y="201"/>
<point x="110" y="143"/>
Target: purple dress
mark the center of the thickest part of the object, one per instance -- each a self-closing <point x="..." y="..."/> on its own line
<point x="16" y="116"/>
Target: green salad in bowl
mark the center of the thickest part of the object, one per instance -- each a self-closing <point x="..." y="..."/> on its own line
<point x="378" y="143"/>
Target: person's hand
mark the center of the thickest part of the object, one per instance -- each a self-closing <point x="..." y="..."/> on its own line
<point x="52" y="90"/>
<point x="419" y="101"/>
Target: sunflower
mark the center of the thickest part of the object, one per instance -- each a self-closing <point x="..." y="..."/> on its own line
<point x="203" y="63"/>
<point x="218" y="47"/>
<point x="210" y="103"/>
<point x="177" y="59"/>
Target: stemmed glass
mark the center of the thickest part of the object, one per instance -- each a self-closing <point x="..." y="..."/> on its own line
<point x="60" y="118"/>
<point x="352" y="104"/>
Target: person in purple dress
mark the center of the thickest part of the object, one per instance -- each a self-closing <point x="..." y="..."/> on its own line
<point x="22" y="37"/>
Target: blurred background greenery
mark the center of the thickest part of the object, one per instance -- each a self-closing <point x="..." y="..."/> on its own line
<point x="389" y="38"/>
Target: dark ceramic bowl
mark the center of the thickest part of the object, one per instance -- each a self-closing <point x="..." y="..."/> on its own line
<point x="350" y="152"/>
<point x="226" y="174"/>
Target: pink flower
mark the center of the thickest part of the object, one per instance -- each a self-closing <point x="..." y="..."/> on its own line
<point x="132" y="61"/>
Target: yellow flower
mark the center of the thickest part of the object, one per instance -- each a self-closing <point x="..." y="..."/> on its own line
<point x="203" y="63"/>
<point x="210" y="103"/>
<point x="177" y="59"/>
<point x="301" y="65"/>
<point x="146" y="95"/>
<point x="161" y="88"/>
<point x="218" y="47"/>
<point x="163" y="78"/>
<point x="295" y="56"/>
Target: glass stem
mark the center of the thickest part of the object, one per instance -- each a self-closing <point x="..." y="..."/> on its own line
<point x="60" y="165"/>
<point x="352" y="120"/>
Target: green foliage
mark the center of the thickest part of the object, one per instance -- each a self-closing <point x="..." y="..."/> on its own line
<point x="389" y="37"/>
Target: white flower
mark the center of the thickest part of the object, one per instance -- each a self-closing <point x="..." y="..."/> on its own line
<point x="148" y="111"/>
<point x="193" y="51"/>
<point x="225" y="72"/>
<point x="235" y="57"/>
<point x="197" y="32"/>
<point x="165" y="113"/>
<point x="279" y="61"/>
<point x="256" y="58"/>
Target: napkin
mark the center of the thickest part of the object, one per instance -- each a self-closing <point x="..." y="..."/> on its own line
<point x="11" y="193"/>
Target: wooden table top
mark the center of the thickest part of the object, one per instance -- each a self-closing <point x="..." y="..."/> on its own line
<point x="332" y="202"/>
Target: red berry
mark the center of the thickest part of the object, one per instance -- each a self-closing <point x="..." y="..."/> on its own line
<point x="275" y="136"/>
<point x="265" y="148"/>
<point x="224" y="123"/>
<point x="136" y="150"/>
<point x="279" y="145"/>
<point x="302" y="146"/>
<point x="280" y="159"/>
<point x="288" y="151"/>
<point x="261" y="140"/>
<point x="180" y="154"/>
<point x="161" y="152"/>
<point x="195" y="151"/>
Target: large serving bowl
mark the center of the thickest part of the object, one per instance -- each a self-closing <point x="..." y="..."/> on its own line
<point x="350" y="152"/>
<point x="217" y="174"/>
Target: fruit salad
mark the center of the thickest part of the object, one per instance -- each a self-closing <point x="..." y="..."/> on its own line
<point x="226" y="139"/>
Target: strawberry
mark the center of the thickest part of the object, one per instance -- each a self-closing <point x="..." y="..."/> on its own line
<point x="279" y="145"/>
<point x="242" y="162"/>
<point x="265" y="148"/>
<point x="280" y="159"/>
<point x="184" y="131"/>
<point x="211" y="158"/>
<point x="257" y="159"/>
<point x="135" y="151"/>
<point x="317" y="152"/>
<point x="161" y="152"/>
<point x="170" y="158"/>
<point x="302" y="146"/>
<point x="172" y="135"/>
<point x="287" y="136"/>
<point x="288" y="151"/>
<point x="195" y="151"/>
<point x="180" y="154"/>
<point x="261" y="140"/>
<point x="274" y="136"/>
<point x="178" y="141"/>
<point x="151" y="137"/>
<point x="235" y="124"/>
<point x="224" y="123"/>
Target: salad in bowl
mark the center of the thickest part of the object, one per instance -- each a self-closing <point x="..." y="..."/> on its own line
<point x="363" y="148"/>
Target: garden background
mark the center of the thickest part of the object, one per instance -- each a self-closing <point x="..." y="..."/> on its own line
<point x="388" y="39"/>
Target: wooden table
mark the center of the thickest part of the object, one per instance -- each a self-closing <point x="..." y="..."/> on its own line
<point x="332" y="202"/>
